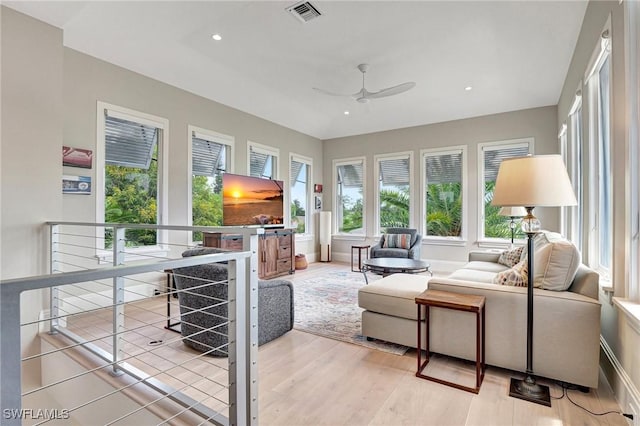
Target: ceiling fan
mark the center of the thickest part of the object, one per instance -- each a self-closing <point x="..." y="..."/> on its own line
<point x="363" y="96"/>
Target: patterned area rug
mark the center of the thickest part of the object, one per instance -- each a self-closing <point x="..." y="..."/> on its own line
<point x="327" y="305"/>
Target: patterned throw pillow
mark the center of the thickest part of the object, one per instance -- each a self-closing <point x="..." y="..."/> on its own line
<point x="510" y="257"/>
<point x="402" y="241"/>
<point x="516" y="276"/>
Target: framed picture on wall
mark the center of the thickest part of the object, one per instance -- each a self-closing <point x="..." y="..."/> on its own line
<point x="76" y="185"/>
<point x="77" y="157"/>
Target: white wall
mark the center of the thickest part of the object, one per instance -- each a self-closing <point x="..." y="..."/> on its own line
<point x="538" y="123"/>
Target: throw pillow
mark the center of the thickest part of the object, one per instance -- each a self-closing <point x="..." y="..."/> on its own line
<point x="516" y="276"/>
<point x="556" y="261"/>
<point x="510" y="257"/>
<point x="402" y="241"/>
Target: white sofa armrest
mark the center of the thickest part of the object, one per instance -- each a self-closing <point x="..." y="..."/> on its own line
<point x="484" y="256"/>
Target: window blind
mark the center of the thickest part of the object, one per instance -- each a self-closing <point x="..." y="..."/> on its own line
<point x="296" y="168"/>
<point x="444" y="168"/>
<point x="207" y="157"/>
<point x="494" y="156"/>
<point x="128" y="143"/>
<point x="394" y="171"/>
<point x="350" y="175"/>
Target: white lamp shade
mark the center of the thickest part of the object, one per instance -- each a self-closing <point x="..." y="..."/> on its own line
<point x="513" y="211"/>
<point x="532" y="181"/>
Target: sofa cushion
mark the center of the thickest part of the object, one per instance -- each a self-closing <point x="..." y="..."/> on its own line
<point x="479" y="265"/>
<point x="516" y="276"/>
<point x="511" y="258"/>
<point x="556" y="261"/>
<point x="392" y="252"/>
<point x="393" y="295"/>
<point x="474" y="275"/>
<point x="402" y="241"/>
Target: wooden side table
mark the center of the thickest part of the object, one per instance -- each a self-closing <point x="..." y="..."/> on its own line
<point x="459" y="302"/>
<point x="360" y="258"/>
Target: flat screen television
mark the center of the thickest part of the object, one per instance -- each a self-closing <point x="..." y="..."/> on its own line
<point x="249" y="200"/>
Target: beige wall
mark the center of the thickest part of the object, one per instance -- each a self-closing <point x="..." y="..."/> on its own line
<point x="537" y="123"/>
<point x="619" y="361"/>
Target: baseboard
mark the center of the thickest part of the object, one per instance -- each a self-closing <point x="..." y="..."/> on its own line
<point x="625" y="391"/>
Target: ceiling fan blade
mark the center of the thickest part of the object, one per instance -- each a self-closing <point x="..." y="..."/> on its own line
<point x="327" y="92"/>
<point x="390" y="91"/>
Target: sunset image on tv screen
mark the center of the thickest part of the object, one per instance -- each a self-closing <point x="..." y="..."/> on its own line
<point x="251" y="201"/>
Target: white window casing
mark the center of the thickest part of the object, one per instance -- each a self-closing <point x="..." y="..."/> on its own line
<point x="296" y="163"/>
<point x="397" y="169"/>
<point x="350" y="173"/>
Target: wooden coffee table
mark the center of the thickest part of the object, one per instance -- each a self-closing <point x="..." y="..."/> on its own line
<point x="394" y="265"/>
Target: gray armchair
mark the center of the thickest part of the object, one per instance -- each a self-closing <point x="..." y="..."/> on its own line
<point x="412" y="253"/>
<point x="204" y="311"/>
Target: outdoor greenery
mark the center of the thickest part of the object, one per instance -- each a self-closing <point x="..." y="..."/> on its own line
<point x="298" y="212"/>
<point x="351" y="214"/>
<point x="131" y="197"/>
<point x="444" y="209"/>
<point x="394" y="208"/>
<point x="207" y="202"/>
<point x="496" y="226"/>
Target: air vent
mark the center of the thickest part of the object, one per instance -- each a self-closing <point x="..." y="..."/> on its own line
<point x="304" y="11"/>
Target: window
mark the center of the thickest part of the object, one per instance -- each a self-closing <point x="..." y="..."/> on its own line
<point x="443" y="173"/>
<point x="601" y="185"/>
<point x="492" y="226"/>
<point x="574" y="167"/>
<point x="130" y="175"/>
<point x="300" y="174"/>
<point x="349" y="205"/>
<point x="210" y="158"/>
<point x="263" y="161"/>
<point x="564" y="152"/>
<point x="393" y="198"/>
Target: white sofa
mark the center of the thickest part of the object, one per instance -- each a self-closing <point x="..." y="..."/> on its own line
<point x="566" y="336"/>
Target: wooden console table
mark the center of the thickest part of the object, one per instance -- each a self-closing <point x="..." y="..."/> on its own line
<point x="458" y="302"/>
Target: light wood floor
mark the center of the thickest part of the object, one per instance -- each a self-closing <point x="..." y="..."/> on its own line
<point x="306" y="379"/>
<point x="311" y="380"/>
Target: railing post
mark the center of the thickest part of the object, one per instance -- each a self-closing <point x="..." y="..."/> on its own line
<point x="250" y="292"/>
<point x="118" y="298"/>
<point x="54" y="297"/>
<point x="10" y="353"/>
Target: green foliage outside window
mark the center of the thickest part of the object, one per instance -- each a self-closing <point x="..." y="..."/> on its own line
<point x="351" y="214"/>
<point x="206" y="202"/>
<point x="298" y="216"/>
<point x="394" y="208"/>
<point x="131" y="196"/>
<point x="444" y="209"/>
<point x="496" y="226"/>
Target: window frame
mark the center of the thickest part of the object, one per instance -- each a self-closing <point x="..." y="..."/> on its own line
<point x="574" y="167"/>
<point x="211" y="136"/>
<point x="632" y="44"/>
<point x="309" y="207"/>
<point x="163" y="172"/>
<point x="377" y="159"/>
<point x="563" y="144"/>
<point x="340" y="162"/>
<point x="434" y="152"/>
<point x="601" y="54"/>
<point x="267" y="150"/>
<point x="491" y="146"/>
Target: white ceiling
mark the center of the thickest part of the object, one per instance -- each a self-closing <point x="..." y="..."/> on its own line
<point x="515" y="55"/>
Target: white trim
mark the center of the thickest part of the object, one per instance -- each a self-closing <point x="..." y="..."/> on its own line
<point x="625" y="391"/>
<point x="334" y="218"/>
<point x="163" y="165"/>
<point x="452" y="241"/>
<point x="211" y="136"/>
<point x="603" y="47"/>
<point x="494" y="146"/>
<point x="376" y="179"/>
<point x="309" y="207"/>
<point x="263" y="149"/>
<point x="575" y="150"/>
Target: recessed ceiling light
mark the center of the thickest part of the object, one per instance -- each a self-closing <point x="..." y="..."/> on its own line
<point x="216" y="37"/>
<point x="468" y="88"/>
<point x="346" y="113"/>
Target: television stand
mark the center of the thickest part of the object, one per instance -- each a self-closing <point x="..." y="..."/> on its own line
<point x="276" y="250"/>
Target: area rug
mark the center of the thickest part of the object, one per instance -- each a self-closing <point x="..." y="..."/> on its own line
<point x="327" y="305"/>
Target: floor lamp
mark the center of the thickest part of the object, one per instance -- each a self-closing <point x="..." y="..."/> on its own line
<point x="513" y="213"/>
<point x="532" y="181"/>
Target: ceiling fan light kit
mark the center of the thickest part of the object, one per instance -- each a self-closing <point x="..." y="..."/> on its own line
<point x="364" y="96"/>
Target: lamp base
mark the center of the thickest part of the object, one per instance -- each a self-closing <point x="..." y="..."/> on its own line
<point x="529" y="390"/>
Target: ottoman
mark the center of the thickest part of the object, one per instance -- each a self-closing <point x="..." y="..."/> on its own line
<point x="390" y="308"/>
